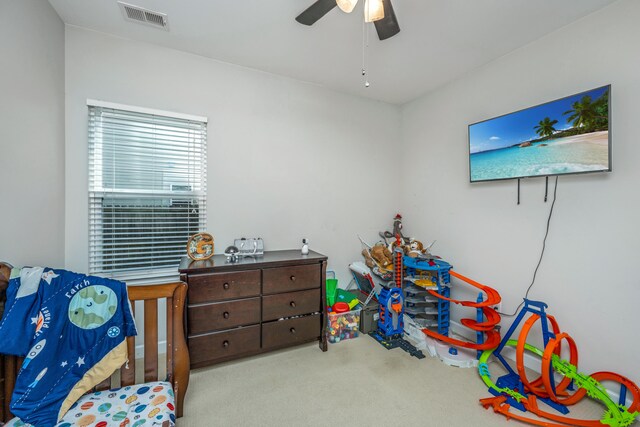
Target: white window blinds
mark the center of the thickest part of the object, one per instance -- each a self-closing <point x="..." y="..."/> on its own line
<point x="147" y="191"/>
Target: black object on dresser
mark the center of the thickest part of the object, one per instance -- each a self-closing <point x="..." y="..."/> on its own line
<point x="254" y="305"/>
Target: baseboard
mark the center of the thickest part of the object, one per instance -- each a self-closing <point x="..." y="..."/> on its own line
<point x="162" y="349"/>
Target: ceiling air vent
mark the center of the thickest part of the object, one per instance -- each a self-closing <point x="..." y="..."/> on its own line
<point x="144" y="16"/>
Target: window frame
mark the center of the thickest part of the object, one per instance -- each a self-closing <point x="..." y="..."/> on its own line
<point x="97" y="191"/>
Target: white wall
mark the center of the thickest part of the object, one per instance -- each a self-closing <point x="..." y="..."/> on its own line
<point x="286" y="159"/>
<point x="589" y="274"/>
<point x="31" y="134"/>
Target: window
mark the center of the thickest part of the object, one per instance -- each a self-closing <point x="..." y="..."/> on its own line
<point x="147" y="190"/>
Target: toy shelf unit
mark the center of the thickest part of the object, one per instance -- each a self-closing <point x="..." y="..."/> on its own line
<point x="427" y="310"/>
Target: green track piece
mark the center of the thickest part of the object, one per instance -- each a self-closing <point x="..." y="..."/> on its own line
<point x="615" y="415"/>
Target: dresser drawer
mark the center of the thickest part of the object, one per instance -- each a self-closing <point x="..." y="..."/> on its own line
<point x="223" y="315"/>
<point x="223" y="286"/>
<point x="291" y="331"/>
<point x="220" y="345"/>
<point x="290" y="304"/>
<point x="287" y="279"/>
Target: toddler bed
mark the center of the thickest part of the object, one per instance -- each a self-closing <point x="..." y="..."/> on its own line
<point x="122" y="400"/>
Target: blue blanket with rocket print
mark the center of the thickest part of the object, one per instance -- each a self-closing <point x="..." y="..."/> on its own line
<point x="71" y="329"/>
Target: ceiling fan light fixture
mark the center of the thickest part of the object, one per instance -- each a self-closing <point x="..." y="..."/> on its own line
<point x="346" y="5"/>
<point x="373" y="10"/>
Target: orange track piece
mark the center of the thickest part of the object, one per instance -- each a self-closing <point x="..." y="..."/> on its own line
<point x="553" y="347"/>
<point x="630" y="385"/>
<point x="493" y="297"/>
<point x="499" y="406"/>
<point x="493" y="318"/>
<point x="536" y="386"/>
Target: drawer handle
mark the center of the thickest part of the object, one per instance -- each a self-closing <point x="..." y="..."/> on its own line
<point x="225" y="314"/>
<point x="292" y="304"/>
<point x="293" y="278"/>
<point x="226" y="285"/>
<point x="292" y="330"/>
<point x="225" y="343"/>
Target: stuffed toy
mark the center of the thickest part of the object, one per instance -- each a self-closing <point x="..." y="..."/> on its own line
<point x="397" y="230"/>
<point x="367" y="258"/>
<point x="382" y="256"/>
<point x="415" y="248"/>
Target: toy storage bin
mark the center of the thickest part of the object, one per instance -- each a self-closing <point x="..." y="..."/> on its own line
<point x="343" y="326"/>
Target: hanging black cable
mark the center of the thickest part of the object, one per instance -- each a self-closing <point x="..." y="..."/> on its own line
<point x="546" y="188"/>
<point x="544" y="245"/>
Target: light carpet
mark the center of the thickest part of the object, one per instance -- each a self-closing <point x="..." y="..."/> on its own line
<point x="356" y="383"/>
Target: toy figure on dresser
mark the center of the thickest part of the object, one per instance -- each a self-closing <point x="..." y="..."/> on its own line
<point x="305" y="247"/>
<point x="249" y="247"/>
<point x="231" y="253"/>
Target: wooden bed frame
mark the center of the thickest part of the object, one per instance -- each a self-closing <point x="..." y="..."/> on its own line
<point x="177" y="351"/>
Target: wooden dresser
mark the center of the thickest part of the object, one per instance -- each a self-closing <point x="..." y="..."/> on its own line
<point x="254" y="305"/>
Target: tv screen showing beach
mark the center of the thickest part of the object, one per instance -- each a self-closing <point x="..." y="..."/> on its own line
<point x="566" y="136"/>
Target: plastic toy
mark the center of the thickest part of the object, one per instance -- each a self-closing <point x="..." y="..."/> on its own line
<point x="343" y="326"/>
<point x="346" y="296"/>
<point x="516" y="390"/>
<point x="391" y="311"/>
<point x="332" y="285"/>
<point x="397" y="343"/>
<point x="390" y="323"/>
<point x="391" y="300"/>
<point x="440" y="272"/>
<point x="340" y="307"/>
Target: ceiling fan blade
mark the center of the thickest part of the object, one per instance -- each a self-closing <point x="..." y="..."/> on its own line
<point x="316" y="11"/>
<point x="387" y="26"/>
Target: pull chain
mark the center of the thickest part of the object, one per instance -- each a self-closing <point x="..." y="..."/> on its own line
<point x="365" y="49"/>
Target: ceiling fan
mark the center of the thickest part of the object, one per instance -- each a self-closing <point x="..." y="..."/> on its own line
<point x="380" y="12"/>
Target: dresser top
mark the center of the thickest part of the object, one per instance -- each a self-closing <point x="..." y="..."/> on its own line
<point x="269" y="259"/>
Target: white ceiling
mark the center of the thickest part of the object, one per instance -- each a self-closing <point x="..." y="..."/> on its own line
<point x="439" y="41"/>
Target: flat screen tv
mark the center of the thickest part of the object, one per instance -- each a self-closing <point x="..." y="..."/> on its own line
<point x="566" y="136"/>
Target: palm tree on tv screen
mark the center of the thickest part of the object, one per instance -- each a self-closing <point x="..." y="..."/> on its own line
<point x="545" y="127"/>
<point x="589" y="115"/>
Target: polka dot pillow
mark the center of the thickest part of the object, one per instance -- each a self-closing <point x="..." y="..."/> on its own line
<point x="149" y="404"/>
